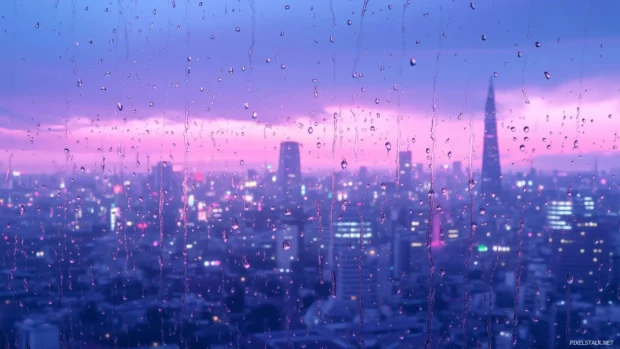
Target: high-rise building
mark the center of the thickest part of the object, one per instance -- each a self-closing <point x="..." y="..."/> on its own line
<point x="34" y="334"/>
<point x="163" y="178"/>
<point x="491" y="172"/>
<point x="289" y="174"/>
<point x="405" y="169"/>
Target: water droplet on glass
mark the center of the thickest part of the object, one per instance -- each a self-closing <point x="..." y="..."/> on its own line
<point x="349" y="22"/>
<point x="538" y="44"/>
<point x="310" y="130"/>
<point x="484" y="37"/>
<point x="119" y="106"/>
<point x="286" y="245"/>
<point x="235" y="224"/>
<point x="246" y="262"/>
<point x="268" y="60"/>
<point x="36" y="25"/>
<point x="238" y="29"/>
<point x="287" y="7"/>
<point x="254" y="115"/>
<point x="376" y="100"/>
<point x="388" y="146"/>
<point x="483" y="211"/>
<point x="283" y="66"/>
<point x="519" y="54"/>
<point x="547" y="75"/>
<point x="412" y="62"/>
<point x="522" y="147"/>
<point x="442" y="272"/>
<point x="383" y="186"/>
<point x="241" y="162"/>
<point x="316" y="92"/>
<point x="413" y="140"/>
<point x="66" y="150"/>
<point x="344" y="164"/>
<point x="526" y="129"/>
<point x="287" y="212"/>
<point x="79" y="82"/>
<point x="103" y="88"/>
<point x="569" y="279"/>
<point x="151" y="104"/>
<point x="471" y="4"/>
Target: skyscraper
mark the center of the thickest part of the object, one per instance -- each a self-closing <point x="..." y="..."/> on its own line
<point x="289" y="173"/>
<point x="405" y="169"/>
<point x="491" y="172"/>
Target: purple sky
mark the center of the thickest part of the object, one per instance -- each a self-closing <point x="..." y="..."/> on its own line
<point x="139" y="53"/>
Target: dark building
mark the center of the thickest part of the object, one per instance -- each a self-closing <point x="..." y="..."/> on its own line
<point x="289" y="174"/>
<point x="491" y="172"/>
<point x="405" y="168"/>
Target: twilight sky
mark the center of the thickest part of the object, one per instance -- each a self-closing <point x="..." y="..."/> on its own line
<point x="67" y="66"/>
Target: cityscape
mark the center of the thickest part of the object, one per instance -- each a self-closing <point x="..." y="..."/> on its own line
<point x="244" y="174"/>
<point x="273" y="258"/>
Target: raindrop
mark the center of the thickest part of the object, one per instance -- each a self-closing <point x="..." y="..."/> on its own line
<point x="66" y="150"/>
<point x="442" y="272"/>
<point x="495" y="74"/>
<point x="287" y="212"/>
<point x="349" y="22"/>
<point x="472" y="5"/>
<point x="344" y="164"/>
<point x="286" y="245"/>
<point x="569" y="279"/>
<point x="388" y="146"/>
<point x="484" y="37"/>
<point x="241" y="162"/>
<point x="316" y="92"/>
<point x="383" y="186"/>
<point x="103" y="88"/>
<point x="119" y="105"/>
<point x="235" y="224"/>
<point x="238" y="29"/>
<point x="268" y="60"/>
<point x="79" y="82"/>
<point x="310" y="130"/>
<point x="547" y="75"/>
<point x="522" y="147"/>
<point x="189" y="58"/>
<point x="376" y="100"/>
<point x="412" y="62"/>
<point x="231" y="70"/>
<point x="538" y="44"/>
<point x="413" y="140"/>
<point x="519" y="54"/>
<point x="246" y="105"/>
<point x="246" y="262"/>
<point x="151" y="104"/>
<point x="283" y="66"/>
<point x="482" y="211"/>
<point x="154" y="11"/>
<point x="287" y="7"/>
<point x="36" y="25"/>
<point x="254" y="115"/>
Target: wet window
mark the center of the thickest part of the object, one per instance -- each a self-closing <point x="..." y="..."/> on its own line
<point x="309" y="174"/>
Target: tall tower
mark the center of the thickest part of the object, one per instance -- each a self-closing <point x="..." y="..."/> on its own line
<point x="405" y="169"/>
<point x="289" y="173"/>
<point x="491" y="172"/>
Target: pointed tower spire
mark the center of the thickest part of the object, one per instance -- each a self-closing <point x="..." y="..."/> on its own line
<point x="491" y="170"/>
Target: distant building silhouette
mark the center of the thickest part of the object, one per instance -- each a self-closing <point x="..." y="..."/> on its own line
<point x="491" y="172"/>
<point x="289" y="173"/>
<point x="405" y="169"/>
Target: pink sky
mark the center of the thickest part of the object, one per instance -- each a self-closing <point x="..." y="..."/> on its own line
<point x="215" y="143"/>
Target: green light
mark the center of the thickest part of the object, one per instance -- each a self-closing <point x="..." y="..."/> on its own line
<point x="482" y="248"/>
